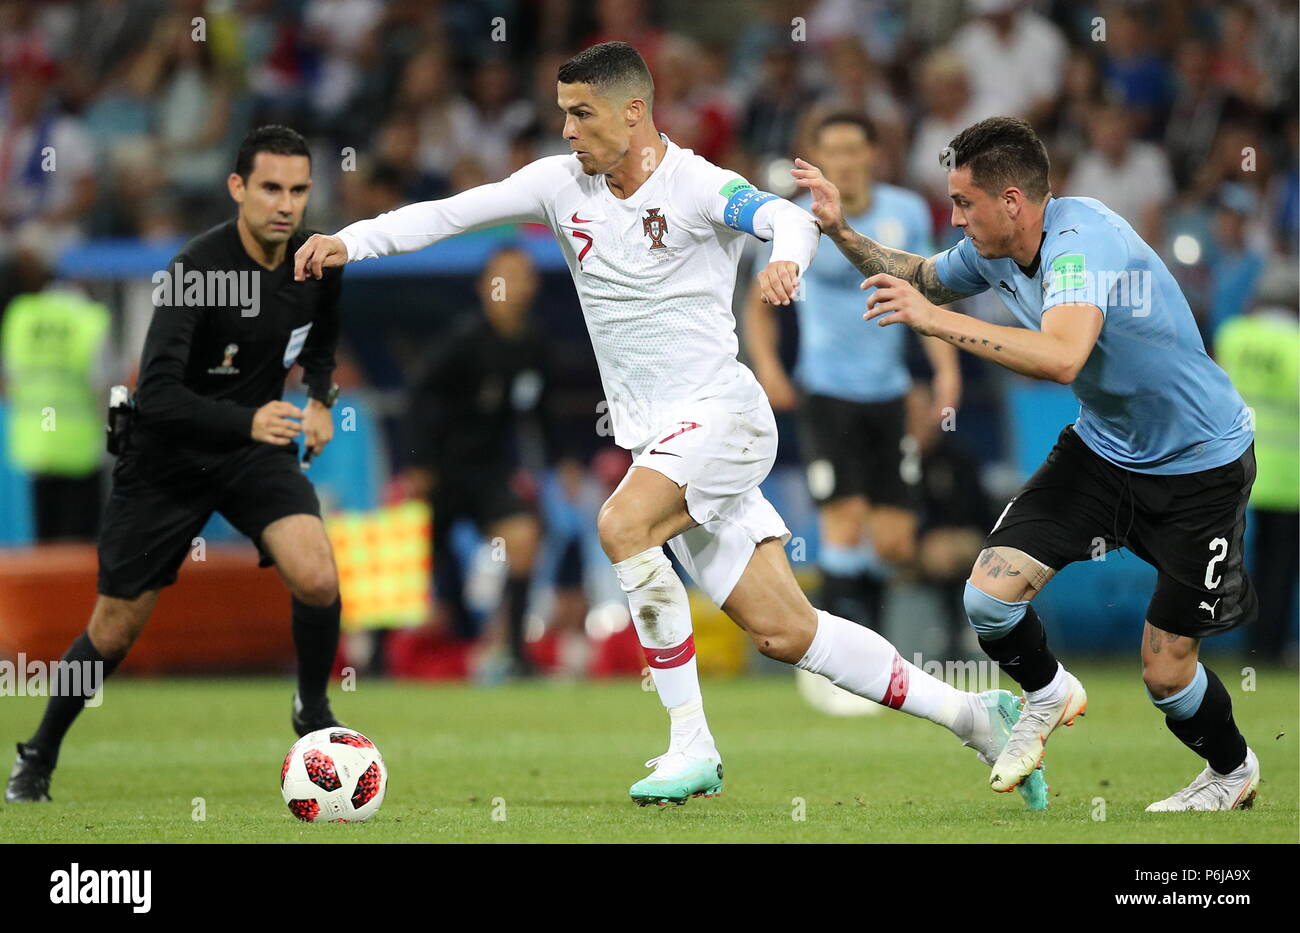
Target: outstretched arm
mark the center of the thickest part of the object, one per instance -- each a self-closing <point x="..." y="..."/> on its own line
<point x="517" y="199"/>
<point x="868" y="256"/>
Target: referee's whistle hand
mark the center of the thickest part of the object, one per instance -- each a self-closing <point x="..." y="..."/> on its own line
<point x="319" y="253"/>
<point x="273" y="424"/>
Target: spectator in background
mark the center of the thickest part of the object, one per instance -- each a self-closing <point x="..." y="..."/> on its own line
<point x="493" y="118"/>
<point x="336" y="32"/>
<point x="1198" y="106"/>
<point x="689" y="105"/>
<point x="1134" y="72"/>
<point x="54" y="346"/>
<point x="194" y="104"/>
<point x="1018" y="58"/>
<point x="545" y="137"/>
<point x="949" y="109"/>
<point x="877" y="26"/>
<point x="1131" y="178"/>
<point x="397" y="145"/>
<point x="47" y="164"/>
<point x="429" y="95"/>
<point x="776" y="106"/>
<point x="1284" y="196"/>
<point x="1238" y="66"/>
<point x="1238" y="154"/>
<point x="473" y="415"/>
<point x="856" y="86"/>
<point x="1067" y="127"/>
<point x="627" y="21"/>
<point x="105" y="39"/>
<point x="1235" y="262"/>
<point x="1261" y="352"/>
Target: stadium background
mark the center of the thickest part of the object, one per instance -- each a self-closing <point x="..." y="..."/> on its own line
<point x="412" y="100"/>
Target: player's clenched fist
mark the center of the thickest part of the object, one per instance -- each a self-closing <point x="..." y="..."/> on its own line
<point x="778" y="282"/>
<point x="826" y="206"/>
<point x="319" y="253"/>
<point x="273" y="423"/>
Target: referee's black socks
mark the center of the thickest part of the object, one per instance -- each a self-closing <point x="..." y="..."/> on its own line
<point x="83" y="671"/>
<point x="1023" y="653"/>
<point x="316" y="636"/>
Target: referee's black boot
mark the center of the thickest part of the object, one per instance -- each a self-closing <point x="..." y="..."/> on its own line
<point x="29" y="781"/>
<point x="309" y="719"/>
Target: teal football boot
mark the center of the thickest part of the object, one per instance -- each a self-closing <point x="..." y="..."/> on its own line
<point x="678" y="777"/>
<point x="1003" y="709"/>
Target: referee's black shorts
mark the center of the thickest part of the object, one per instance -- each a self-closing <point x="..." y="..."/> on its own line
<point x="161" y="501"/>
<point x="1189" y="526"/>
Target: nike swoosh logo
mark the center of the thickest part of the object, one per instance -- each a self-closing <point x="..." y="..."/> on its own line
<point x="666" y="453"/>
<point x="578" y="220"/>
<point x="1074" y="229"/>
<point x="661" y="659"/>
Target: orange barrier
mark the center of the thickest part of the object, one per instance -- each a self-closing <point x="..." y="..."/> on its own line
<point x="223" y="614"/>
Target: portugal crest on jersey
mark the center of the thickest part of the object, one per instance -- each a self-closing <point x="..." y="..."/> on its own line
<point x="655" y="226"/>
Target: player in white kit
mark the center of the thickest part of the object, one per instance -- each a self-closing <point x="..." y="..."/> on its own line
<point x="652" y="235"/>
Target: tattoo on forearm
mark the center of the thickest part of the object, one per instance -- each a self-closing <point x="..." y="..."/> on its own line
<point x="870" y="258"/>
<point x="957" y="340"/>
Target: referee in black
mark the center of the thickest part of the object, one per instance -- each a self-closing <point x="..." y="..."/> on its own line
<point x="210" y="433"/>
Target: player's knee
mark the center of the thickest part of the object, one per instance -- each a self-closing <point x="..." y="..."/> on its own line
<point x="318" y="587"/>
<point x="1164" y="681"/>
<point x="621" y="534"/>
<point x="113" y="629"/>
<point x="991" y="617"/>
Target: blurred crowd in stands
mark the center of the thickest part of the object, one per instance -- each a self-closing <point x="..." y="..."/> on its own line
<point x="1179" y="114"/>
<point x="120" y="118"/>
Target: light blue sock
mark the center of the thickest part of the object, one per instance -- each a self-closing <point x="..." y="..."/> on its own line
<point x="1184" y="703"/>
<point x="993" y="618"/>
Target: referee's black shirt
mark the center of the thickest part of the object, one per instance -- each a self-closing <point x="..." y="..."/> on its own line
<point x="210" y="362"/>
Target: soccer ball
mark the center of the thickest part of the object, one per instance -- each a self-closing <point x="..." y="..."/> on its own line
<point x="333" y="775"/>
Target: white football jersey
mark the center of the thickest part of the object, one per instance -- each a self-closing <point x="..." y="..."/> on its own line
<point x="654" y="272"/>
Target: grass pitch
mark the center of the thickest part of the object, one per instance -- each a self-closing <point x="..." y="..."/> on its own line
<point x="552" y="762"/>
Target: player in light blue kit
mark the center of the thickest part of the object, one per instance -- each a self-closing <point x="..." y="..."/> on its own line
<point x="854" y="380"/>
<point x="1160" y="460"/>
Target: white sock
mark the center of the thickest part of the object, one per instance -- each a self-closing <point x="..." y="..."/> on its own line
<point x="690" y="729"/>
<point x="662" y="616"/>
<point x="1054" y="692"/>
<point x="862" y="662"/>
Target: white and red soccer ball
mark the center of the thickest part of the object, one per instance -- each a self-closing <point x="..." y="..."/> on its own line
<point x="333" y="775"/>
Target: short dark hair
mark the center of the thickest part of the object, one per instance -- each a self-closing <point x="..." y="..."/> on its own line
<point x="272" y="138"/>
<point x="1002" y="152"/>
<point x="849" y="118"/>
<point x="609" y="65"/>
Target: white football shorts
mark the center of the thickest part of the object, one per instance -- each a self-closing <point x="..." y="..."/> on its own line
<point x="720" y="457"/>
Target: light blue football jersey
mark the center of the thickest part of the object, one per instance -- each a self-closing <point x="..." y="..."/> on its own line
<point x="1150" y="399"/>
<point x="840" y="354"/>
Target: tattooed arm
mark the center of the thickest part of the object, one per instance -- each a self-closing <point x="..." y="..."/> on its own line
<point x="869" y="257"/>
<point x="908" y="291"/>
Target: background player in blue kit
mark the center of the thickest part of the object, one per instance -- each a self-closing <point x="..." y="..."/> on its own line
<point x="854" y="380"/>
<point x="1160" y="460"/>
